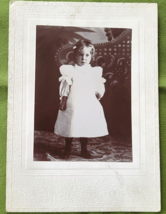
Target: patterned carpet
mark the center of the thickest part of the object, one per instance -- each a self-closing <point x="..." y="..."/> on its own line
<point x="50" y="147"/>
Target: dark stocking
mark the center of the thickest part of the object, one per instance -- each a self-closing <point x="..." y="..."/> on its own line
<point x="67" y="151"/>
<point x="84" y="152"/>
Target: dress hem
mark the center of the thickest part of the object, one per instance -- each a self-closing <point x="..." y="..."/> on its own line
<point x="102" y="135"/>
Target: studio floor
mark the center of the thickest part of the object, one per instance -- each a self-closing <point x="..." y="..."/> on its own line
<point x="50" y="147"/>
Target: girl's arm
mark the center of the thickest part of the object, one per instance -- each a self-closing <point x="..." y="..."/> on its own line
<point x="64" y="93"/>
<point x="100" y="88"/>
<point x="66" y="82"/>
<point x="63" y="103"/>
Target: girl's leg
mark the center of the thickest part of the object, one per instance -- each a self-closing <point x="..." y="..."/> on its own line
<point x="84" y="152"/>
<point x="67" y="151"/>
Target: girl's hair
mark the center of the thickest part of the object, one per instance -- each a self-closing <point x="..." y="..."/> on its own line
<point x="81" y="44"/>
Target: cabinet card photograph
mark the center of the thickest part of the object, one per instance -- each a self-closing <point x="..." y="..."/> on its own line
<point x="83" y="132"/>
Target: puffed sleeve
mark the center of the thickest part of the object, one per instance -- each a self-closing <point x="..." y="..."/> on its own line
<point x="65" y="80"/>
<point x="99" y="85"/>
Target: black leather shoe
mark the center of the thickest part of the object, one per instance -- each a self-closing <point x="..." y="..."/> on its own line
<point x="86" y="154"/>
<point x="66" y="154"/>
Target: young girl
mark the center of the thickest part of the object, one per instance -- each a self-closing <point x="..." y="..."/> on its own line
<point x="81" y="114"/>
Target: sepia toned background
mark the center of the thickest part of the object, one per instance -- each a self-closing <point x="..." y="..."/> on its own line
<point x="4" y="8"/>
<point x="54" y="47"/>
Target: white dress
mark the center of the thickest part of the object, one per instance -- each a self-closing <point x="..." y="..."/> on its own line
<point x="84" y="116"/>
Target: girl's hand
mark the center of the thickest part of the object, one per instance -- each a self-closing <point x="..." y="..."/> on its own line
<point x="63" y="103"/>
<point x="98" y="96"/>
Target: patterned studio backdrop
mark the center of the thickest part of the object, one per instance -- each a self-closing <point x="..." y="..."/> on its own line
<point x="54" y="45"/>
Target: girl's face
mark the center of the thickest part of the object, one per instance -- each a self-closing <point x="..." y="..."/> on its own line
<point x="83" y="57"/>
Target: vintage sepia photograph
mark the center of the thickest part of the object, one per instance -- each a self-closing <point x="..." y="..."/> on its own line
<point x="83" y="94"/>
